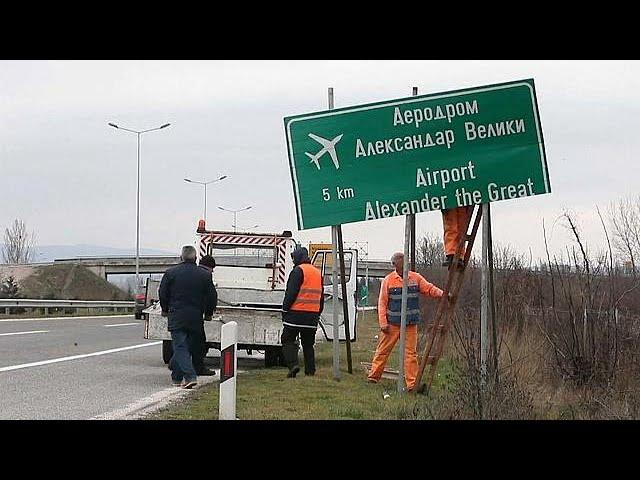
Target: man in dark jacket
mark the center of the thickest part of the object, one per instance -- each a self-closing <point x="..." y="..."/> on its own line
<point x="302" y="306"/>
<point x="186" y="293"/>
<point x="198" y="346"/>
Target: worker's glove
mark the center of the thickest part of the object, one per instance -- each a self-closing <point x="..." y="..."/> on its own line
<point x="164" y="314"/>
<point x="207" y="318"/>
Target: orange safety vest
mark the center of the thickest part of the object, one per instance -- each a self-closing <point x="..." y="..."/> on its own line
<point x="308" y="299"/>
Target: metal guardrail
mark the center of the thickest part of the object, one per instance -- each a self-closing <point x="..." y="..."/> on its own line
<point x="32" y="303"/>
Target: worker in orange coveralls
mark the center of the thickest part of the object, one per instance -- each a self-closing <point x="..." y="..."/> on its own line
<point x="389" y="306"/>
<point x="455" y="221"/>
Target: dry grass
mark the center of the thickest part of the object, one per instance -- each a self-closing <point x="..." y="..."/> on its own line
<point x="265" y="394"/>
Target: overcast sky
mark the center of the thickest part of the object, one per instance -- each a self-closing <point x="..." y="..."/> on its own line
<point x="72" y="178"/>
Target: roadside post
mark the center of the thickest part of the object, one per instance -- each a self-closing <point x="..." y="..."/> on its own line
<point x="228" y="364"/>
<point x="487" y="299"/>
<point x="403" y="308"/>
<point x="334" y="281"/>
<point x="345" y="304"/>
<point x="408" y="262"/>
<point x="412" y="238"/>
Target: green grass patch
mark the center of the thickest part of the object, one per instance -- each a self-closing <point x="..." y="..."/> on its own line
<point x="266" y="394"/>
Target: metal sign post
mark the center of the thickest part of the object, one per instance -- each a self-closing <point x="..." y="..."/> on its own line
<point x="408" y="263"/>
<point x="403" y="308"/>
<point x="334" y="281"/>
<point x="345" y="303"/>
<point x="413" y="219"/>
<point x="487" y="306"/>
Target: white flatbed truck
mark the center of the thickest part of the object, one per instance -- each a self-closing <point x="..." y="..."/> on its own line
<point x="250" y="277"/>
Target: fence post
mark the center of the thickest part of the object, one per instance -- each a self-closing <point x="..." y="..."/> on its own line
<point x="228" y="362"/>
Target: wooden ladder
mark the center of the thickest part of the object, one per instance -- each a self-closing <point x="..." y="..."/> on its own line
<point x="438" y="329"/>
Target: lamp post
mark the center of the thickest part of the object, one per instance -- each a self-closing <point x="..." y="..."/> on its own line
<point x="235" y="213"/>
<point x="205" y="190"/>
<point x="138" y="133"/>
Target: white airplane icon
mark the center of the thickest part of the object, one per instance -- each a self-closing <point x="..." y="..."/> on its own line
<point x="327" y="146"/>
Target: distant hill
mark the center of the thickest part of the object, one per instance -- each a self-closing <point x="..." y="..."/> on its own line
<point x="48" y="253"/>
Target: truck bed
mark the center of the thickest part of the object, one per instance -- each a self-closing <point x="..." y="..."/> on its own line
<point x="257" y="326"/>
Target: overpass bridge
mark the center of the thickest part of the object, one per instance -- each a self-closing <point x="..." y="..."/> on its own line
<point x="104" y="266"/>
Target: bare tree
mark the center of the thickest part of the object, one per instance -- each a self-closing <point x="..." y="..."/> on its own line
<point x="430" y="251"/>
<point x="19" y="245"/>
<point x="624" y="216"/>
<point x="9" y="288"/>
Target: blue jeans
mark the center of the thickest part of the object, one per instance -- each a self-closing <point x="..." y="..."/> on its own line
<point x="180" y="363"/>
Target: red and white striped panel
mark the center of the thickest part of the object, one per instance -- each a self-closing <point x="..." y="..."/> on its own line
<point x="282" y="249"/>
<point x="242" y="240"/>
<point x="204" y="241"/>
<point x="248" y="240"/>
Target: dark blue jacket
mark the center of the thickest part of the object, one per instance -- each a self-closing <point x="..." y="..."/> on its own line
<point x="187" y="293"/>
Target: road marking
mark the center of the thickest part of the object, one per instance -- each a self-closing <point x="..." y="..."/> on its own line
<point x="24" y="333"/>
<point x="76" y="357"/>
<point x="154" y="402"/>
<point x="61" y="318"/>
<point x="121" y="324"/>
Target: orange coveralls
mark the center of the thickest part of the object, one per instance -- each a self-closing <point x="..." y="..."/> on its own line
<point x="455" y="221"/>
<point x="386" y="341"/>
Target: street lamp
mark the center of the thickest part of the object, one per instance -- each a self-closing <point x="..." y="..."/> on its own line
<point x="235" y="213"/>
<point x="205" y="190"/>
<point x="138" y="133"/>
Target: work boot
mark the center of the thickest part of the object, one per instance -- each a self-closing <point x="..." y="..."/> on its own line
<point x="293" y="372"/>
<point x="448" y="261"/>
<point x="205" y="372"/>
<point x="188" y="384"/>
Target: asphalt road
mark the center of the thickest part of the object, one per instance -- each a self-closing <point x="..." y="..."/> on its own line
<point x="80" y="368"/>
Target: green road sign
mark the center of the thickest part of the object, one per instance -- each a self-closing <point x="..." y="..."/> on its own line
<point x="417" y="154"/>
<point x="364" y="295"/>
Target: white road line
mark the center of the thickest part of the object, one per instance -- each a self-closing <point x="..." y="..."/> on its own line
<point x="60" y="318"/>
<point x="154" y="402"/>
<point x="24" y="333"/>
<point x="76" y="357"/>
<point x="121" y="324"/>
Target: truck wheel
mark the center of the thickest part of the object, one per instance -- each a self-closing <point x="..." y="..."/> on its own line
<point x="273" y="357"/>
<point x="167" y="350"/>
<point x="270" y="357"/>
<point x="281" y="361"/>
